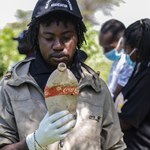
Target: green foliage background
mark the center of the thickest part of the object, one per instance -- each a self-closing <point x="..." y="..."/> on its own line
<point x="8" y="50"/>
<point x="96" y="59"/>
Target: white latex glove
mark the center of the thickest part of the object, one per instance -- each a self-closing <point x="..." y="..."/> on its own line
<point x="119" y="102"/>
<point x="51" y="129"/>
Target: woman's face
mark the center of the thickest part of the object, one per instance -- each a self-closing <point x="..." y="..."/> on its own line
<point x="57" y="42"/>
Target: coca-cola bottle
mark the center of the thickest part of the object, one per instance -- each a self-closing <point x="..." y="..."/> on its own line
<point x="61" y="91"/>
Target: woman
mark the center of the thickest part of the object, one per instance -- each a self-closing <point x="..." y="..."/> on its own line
<point x="135" y="113"/>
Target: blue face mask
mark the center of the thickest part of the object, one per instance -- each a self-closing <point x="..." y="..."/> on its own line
<point x="113" y="55"/>
<point x="128" y="59"/>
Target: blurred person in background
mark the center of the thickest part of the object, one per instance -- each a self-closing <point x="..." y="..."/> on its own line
<point x="24" y="46"/>
<point x="110" y="38"/>
<point x="135" y="112"/>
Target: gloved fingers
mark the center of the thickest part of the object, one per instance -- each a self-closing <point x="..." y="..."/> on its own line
<point x="64" y="120"/>
<point x="44" y="120"/>
<point x="59" y="137"/>
<point x="46" y="116"/>
<point x="58" y="115"/>
<point x="62" y="136"/>
<point x="67" y="127"/>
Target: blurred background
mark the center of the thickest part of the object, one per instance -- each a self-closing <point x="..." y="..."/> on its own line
<point x="15" y="16"/>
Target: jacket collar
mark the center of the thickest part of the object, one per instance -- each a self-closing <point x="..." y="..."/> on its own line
<point x="90" y="79"/>
<point x="21" y="75"/>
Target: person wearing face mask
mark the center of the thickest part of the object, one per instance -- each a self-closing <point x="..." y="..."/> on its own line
<point x="115" y="54"/>
<point x="119" y="100"/>
<point x="135" y="112"/>
<point x="111" y="40"/>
